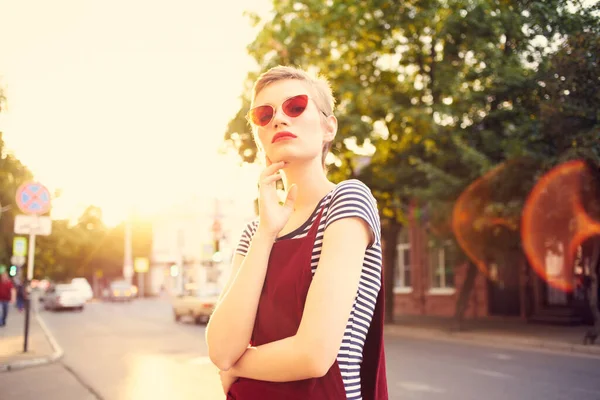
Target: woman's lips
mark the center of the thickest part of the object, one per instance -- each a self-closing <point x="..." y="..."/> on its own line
<point x="282" y="136"/>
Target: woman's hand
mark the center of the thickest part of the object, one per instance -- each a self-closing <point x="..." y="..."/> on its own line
<point x="273" y="216"/>
<point x="227" y="379"/>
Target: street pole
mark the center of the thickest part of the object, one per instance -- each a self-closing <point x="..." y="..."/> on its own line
<point x="180" y="261"/>
<point x="30" y="260"/>
<point x="140" y="281"/>
<point x="33" y="199"/>
<point x="128" y="257"/>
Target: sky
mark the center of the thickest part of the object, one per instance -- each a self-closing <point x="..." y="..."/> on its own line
<point x="124" y="103"/>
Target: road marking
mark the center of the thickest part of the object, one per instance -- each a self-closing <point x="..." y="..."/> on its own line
<point x="419" y="387"/>
<point x="490" y="373"/>
<point x="501" y="356"/>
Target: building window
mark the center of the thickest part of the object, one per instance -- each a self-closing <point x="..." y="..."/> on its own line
<point x="402" y="278"/>
<point x="441" y="267"/>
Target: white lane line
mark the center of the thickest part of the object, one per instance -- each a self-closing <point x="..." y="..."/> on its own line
<point x="501" y="356"/>
<point x="491" y="374"/>
<point x="419" y="387"/>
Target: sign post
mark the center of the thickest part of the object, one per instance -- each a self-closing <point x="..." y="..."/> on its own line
<point x="33" y="199"/>
<point x="127" y="254"/>
<point x="141" y="266"/>
<point x="98" y="274"/>
<point x="19" y="252"/>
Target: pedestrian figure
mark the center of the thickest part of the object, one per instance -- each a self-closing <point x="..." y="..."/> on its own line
<point x="20" y="289"/>
<point x="305" y="289"/>
<point x="7" y="296"/>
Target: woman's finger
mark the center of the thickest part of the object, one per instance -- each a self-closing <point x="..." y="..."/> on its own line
<point x="272" y="169"/>
<point x="270" y="179"/>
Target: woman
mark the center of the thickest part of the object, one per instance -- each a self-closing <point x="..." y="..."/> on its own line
<point x="301" y="316"/>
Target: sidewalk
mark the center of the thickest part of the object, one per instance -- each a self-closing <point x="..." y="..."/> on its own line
<point x="511" y="332"/>
<point x="41" y="348"/>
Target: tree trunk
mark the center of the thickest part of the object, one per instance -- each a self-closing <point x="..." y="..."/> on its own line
<point x="593" y="332"/>
<point x="465" y="293"/>
<point x="390" y="232"/>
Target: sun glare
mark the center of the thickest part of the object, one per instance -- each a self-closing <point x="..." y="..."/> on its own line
<point x="123" y="105"/>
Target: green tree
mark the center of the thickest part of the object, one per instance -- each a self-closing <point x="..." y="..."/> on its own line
<point x="571" y="122"/>
<point x="443" y="90"/>
<point x="12" y="174"/>
<point x="71" y="250"/>
<point x="57" y="256"/>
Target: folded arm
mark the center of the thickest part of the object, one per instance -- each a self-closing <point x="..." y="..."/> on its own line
<point x="311" y="352"/>
<point x="229" y="331"/>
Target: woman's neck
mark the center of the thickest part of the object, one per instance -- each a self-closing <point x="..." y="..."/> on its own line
<point x="312" y="184"/>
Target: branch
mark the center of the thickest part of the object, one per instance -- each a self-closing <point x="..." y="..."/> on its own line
<point x="472" y="154"/>
<point x="434" y="172"/>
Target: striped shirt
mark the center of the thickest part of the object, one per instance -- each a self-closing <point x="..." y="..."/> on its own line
<point x="350" y="198"/>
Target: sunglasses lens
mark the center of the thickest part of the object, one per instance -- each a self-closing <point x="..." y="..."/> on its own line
<point x="261" y="115"/>
<point x="292" y="107"/>
<point x="295" y="106"/>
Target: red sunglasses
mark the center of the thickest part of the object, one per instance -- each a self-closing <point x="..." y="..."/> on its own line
<point x="292" y="107"/>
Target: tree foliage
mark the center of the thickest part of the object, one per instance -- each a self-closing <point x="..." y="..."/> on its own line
<point x="12" y="174"/>
<point x="443" y="91"/>
<point x="71" y="250"/>
<point x="88" y="247"/>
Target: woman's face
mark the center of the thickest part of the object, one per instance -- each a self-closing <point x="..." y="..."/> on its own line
<point x="293" y="139"/>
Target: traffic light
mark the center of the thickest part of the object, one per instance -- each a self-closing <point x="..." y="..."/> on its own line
<point x="12" y="271"/>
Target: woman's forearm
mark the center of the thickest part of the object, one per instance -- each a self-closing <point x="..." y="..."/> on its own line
<point x="285" y="360"/>
<point x="230" y="328"/>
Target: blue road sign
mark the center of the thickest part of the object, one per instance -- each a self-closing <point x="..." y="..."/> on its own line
<point x="33" y="198"/>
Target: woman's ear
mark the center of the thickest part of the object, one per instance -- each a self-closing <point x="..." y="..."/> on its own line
<point x="331" y="126"/>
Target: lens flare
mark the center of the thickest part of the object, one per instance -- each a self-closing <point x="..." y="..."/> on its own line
<point x="470" y="222"/>
<point x="556" y="221"/>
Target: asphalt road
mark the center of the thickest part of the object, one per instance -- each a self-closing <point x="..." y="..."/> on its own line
<point x="134" y="351"/>
<point x="137" y="352"/>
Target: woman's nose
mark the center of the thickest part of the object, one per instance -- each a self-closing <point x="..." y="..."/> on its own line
<point x="280" y="118"/>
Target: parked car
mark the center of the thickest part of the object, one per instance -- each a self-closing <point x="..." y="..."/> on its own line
<point x="63" y="296"/>
<point x="84" y="287"/>
<point x="120" y="291"/>
<point x="191" y="304"/>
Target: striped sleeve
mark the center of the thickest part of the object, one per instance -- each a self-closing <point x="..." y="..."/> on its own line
<point x="246" y="238"/>
<point x="353" y="198"/>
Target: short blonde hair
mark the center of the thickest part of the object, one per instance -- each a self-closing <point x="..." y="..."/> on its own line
<point x="319" y="86"/>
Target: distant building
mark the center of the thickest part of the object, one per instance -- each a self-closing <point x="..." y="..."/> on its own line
<point x="194" y="239"/>
<point x="193" y="244"/>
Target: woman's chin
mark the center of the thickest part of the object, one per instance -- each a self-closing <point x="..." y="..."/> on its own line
<point x="291" y="158"/>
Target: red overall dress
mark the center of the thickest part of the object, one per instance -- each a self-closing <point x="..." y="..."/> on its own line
<point x="278" y="316"/>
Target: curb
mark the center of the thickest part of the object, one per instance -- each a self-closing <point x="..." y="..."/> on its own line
<point x="496" y="340"/>
<point x="34" y="362"/>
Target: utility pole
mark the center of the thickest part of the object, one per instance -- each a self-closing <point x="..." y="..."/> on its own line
<point x="128" y="253"/>
<point x="180" y="260"/>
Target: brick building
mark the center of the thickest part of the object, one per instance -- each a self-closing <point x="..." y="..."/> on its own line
<point x="428" y="278"/>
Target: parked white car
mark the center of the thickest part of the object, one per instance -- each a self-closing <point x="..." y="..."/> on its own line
<point x="63" y="296"/>
<point x="84" y="287"/>
<point x="190" y="304"/>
